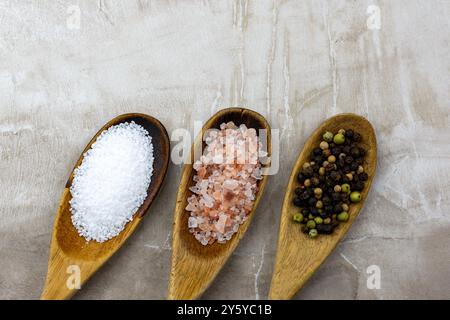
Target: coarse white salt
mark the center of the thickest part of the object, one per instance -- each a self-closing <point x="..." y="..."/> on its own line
<point x="112" y="181"/>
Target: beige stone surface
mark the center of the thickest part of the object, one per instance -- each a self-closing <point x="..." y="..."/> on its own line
<point x="296" y="62"/>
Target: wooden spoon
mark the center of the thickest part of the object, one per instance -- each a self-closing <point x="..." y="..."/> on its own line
<point x="69" y="249"/>
<point x="195" y="266"/>
<point x="298" y="256"/>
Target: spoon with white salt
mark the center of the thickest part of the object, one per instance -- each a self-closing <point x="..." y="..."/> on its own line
<point x="113" y="184"/>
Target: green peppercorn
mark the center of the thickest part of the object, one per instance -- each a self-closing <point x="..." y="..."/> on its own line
<point x="318" y="220"/>
<point x="298" y="217"/>
<point x="345" y="188"/>
<point x="310" y="217"/>
<point x="339" y="138"/>
<point x="343" y="216"/>
<point x="355" y="196"/>
<point x="313" y="233"/>
<point x="328" y="136"/>
<point x="311" y="224"/>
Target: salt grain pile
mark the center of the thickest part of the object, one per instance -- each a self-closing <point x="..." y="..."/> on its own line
<point x="112" y="181"/>
<point x="226" y="183"/>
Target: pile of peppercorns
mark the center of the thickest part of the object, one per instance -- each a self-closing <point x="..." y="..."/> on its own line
<point x="332" y="180"/>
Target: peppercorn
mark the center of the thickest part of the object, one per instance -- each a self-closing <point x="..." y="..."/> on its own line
<point x="346" y="149"/>
<point x="298" y="202"/>
<point x="325" y="228"/>
<point x="319" y="204"/>
<point x="331" y="159"/>
<point x="308" y="172"/>
<point x="358" y="186"/>
<point x="318" y="220"/>
<point x="315" y="181"/>
<point x="326" y="152"/>
<point x="355" y="152"/>
<point x="363" y="176"/>
<point x="349" y="133"/>
<point x="330" y="167"/>
<point x="349" y="176"/>
<point x="348" y="159"/>
<point x="298" y="217"/>
<point x="324" y="145"/>
<point x="345" y="207"/>
<point x="355" y="196"/>
<point x="335" y="176"/>
<point x="326" y="221"/>
<point x="318" y="191"/>
<point x="313" y="233"/>
<point x="339" y="138"/>
<point x="317" y="152"/>
<point x="345" y="188"/>
<point x="337" y="188"/>
<point x="356" y="137"/>
<point x="307" y="182"/>
<point x="362" y="152"/>
<point x="360" y="170"/>
<point x="322" y="171"/>
<point x="338" y="207"/>
<point x="343" y="216"/>
<point x="311" y="224"/>
<point x="298" y="191"/>
<point x="336" y="196"/>
<point x="328" y="136"/>
<point x="310" y="216"/>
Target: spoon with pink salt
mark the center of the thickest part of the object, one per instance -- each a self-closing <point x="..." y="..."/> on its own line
<point x="212" y="217"/>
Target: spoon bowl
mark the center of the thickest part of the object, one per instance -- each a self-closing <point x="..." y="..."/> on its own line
<point x="195" y="266"/>
<point x="68" y="248"/>
<point x="299" y="256"/>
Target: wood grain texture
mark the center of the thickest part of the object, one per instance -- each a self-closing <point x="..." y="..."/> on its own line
<point x="298" y="256"/>
<point x="195" y="266"/>
<point x="69" y="248"/>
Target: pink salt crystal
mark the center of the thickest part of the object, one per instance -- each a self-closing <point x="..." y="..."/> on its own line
<point x="225" y="184"/>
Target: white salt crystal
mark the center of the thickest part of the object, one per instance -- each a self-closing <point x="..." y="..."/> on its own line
<point x="112" y="181"/>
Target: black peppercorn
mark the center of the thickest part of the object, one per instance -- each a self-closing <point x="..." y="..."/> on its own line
<point x="348" y="159"/>
<point x="329" y="209"/>
<point x="315" y="181"/>
<point x="349" y="134"/>
<point x="354" y="166"/>
<point x="312" y="202"/>
<point x="314" y="212"/>
<point x="363" y="176"/>
<point x="326" y="200"/>
<point x="346" y="150"/>
<point x="336" y="196"/>
<point x="298" y="191"/>
<point x="356" y="137"/>
<point x="362" y="152"/>
<point x="338" y="208"/>
<point x="358" y="186"/>
<point x="324" y="228"/>
<point x="355" y="152"/>
<point x="301" y="178"/>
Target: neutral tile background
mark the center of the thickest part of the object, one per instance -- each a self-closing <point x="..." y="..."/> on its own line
<point x="296" y="62"/>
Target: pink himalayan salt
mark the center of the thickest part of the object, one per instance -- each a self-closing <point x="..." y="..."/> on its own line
<point x="225" y="183"/>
